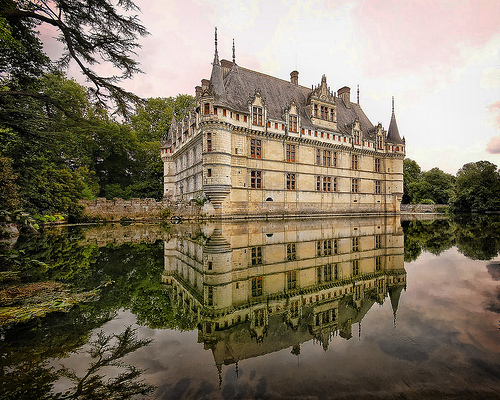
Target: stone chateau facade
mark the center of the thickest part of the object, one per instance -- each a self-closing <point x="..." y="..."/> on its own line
<point x="259" y="145"/>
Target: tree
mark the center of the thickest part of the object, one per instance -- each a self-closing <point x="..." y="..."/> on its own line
<point x="411" y="173"/>
<point x="434" y="185"/>
<point x="151" y="120"/>
<point x="91" y="31"/>
<point x="477" y="188"/>
<point x="8" y="189"/>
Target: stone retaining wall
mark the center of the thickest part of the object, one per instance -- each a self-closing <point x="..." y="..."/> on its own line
<point x="422" y="208"/>
<point x="114" y="210"/>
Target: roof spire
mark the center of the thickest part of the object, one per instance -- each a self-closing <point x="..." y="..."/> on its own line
<point x="358" y="94"/>
<point x="234" y="56"/>
<point x="216" y="55"/>
<point x="393" y="132"/>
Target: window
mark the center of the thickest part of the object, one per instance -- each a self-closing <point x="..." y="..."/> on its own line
<point x="324" y="184"/>
<point x="315" y="110"/>
<point x="294" y="309"/>
<point x="354" y="161"/>
<point x="290" y="181"/>
<point x="237" y="117"/>
<point x="356" y="137"/>
<point x="334" y="159"/>
<point x="275" y="125"/>
<point x="291" y="280"/>
<point x="256" y="179"/>
<point x="257" y="116"/>
<point x="256" y="255"/>
<point x="259" y="317"/>
<point x="331" y="115"/>
<point x="209" y="142"/>
<point x="378" y="241"/>
<point x="255" y="148"/>
<point x="210" y="265"/>
<point x="355" y="244"/>
<point x="292" y="123"/>
<point x="244" y="118"/>
<point x="377" y="165"/>
<point x="224" y="112"/>
<point x="318" y="183"/>
<point x="318" y="157"/>
<point x="327" y="273"/>
<point x="291" y="253"/>
<point x="210" y="296"/>
<point x="206" y="109"/>
<point x="335" y="247"/>
<point x="209" y="172"/>
<point x="336" y="272"/>
<point x="378" y="263"/>
<point x="328" y="184"/>
<point x="257" y="286"/>
<point x="335" y="185"/>
<point x="380" y="142"/>
<point x="378" y="187"/>
<point x="355" y="267"/>
<point x="355" y="185"/>
<point x="215" y="110"/>
<point x="290" y="153"/>
<point x="327" y="158"/>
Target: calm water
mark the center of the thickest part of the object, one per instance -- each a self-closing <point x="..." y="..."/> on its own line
<point x="370" y="308"/>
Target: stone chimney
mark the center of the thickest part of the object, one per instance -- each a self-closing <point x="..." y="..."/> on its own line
<point x="226" y="66"/>
<point x="345" y="95"/>
<point x="198" y="91"/>
<point x="205" y="83"/>
<point x="294" y="77"/>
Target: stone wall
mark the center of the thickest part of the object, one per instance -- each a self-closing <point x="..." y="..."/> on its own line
<point x="423" y="208"/>
<point x="115" y="210"/>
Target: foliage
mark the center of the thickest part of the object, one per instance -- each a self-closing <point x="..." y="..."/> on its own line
<point x="9" y="198"/>
<point x="477" y="188"/>
<point x="411" y="173"/>
<point x="108" y="351"/>
<point x="434" y="185"/>
<point x="91" y="33"/>
<point x="151" y="120"/>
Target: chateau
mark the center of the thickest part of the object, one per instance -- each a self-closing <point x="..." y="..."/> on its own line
<point x="259" y="145"/>
<point x="258" y="287"/>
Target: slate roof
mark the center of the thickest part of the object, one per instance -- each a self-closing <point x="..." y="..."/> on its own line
<point x="240" y="85"/>
<point x="393" y="133"/>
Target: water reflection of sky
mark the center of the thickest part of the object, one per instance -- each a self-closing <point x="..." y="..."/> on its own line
<point x="446" y="343"/>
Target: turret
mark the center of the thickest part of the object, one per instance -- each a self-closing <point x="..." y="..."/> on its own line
<point x="393" y="134"/>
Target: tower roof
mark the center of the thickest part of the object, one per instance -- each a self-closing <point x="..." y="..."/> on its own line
<point x="216" y="77"/>
<point x="393" y="133"/>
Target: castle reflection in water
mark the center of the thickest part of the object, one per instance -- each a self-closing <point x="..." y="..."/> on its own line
<point x="257" y="287"/>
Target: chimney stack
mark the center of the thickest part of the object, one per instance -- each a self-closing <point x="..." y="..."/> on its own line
<point x="345" y="95"/>
<point x="198" y="91"/>
<point x="294" y="77"/>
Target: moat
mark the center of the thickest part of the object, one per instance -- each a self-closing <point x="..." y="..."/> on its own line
<point x="370" y="308"/>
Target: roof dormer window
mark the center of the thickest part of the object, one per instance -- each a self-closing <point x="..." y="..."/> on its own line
<point x="356" y="136"/>
<point x="292" y="123"/>
<point x="257" y="116"/>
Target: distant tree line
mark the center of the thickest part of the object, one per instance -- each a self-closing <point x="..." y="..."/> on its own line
<point x="475" y="188"/>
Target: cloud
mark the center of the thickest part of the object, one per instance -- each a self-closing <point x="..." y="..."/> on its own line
<point x="425" y="36"/>
<point x="493" y="146"/>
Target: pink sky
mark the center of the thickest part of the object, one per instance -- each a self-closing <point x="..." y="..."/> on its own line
<point x="440" y="59"/>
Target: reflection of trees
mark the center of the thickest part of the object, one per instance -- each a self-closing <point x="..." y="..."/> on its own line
<point x="108" y="351"/>
<point x="476" y="236"/>
<point x="129" y="277"/>
<point x="34" y="378"/>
